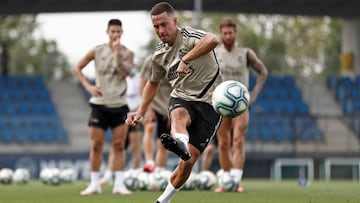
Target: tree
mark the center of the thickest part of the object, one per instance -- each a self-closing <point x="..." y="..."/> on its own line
<point x="23" y="54"/>
<point x="305" y="47"/>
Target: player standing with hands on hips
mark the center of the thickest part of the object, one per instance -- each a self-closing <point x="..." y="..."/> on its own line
<point x="234" y="63"/>
<point x="187" y="59"/>
<point x="113" y="62"/>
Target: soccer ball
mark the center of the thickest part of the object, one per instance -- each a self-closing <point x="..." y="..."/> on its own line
<point x="131" y="179"/>
<point x="67" y="175"/>
<point x="143" y="180"/>
<point x="6" y="175"/>
<point x="230" y="98"/>
<point x="190" y="183"/>
<point x="157" y="181"/>
<point x="206" y="180"/>
<point x="21" y="176"/>
<point x="227" y="182"/>
<point x="50" y="176"/>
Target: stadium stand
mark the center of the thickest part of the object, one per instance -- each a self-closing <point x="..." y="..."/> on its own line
<point x="27" y="112"/>
<point x="347" y="94"/>
<point x="281" y="115"/>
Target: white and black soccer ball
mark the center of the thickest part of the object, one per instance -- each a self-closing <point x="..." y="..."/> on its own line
<point x="157" y="181"/>
<point x="21" y="176"/>
<point x="190" y="183"/>
<point x="230" y="98"/>
<point x="219" y="173"/>
<point x="206" y="180"/>
<point x="143" y="180"/>
<point x="131" y="179"/>
<point x="227" y="182"/>
<point x="6" y="175"/>
<point x="50" y="176"/>
<point x="67" y="175"/>
<point x="55" y="177"/>
<point x="44" y="175"/>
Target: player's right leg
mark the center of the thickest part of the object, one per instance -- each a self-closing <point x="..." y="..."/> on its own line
<point x="224" y="147"/>
<point x="97" y="141"/>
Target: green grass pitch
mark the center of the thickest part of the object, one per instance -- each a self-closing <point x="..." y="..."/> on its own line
<point x="256" y="191"/>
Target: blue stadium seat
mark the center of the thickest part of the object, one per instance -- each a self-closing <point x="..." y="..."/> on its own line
<point x="357" y="81"/>
<point x="332" y="82"/>
<point x="278" y="134"/>
<point x="27" y="113"/>
<point x="349" y="107"/>
<point x="346" y="81"/>
<point x="6" y="136"/>
<point x="265" y="134"/>
<point x="302" y="108"/>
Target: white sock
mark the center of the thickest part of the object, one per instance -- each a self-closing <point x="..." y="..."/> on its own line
<point x="159" y="169"/>
<point x="94" y="178"/>
<point x="237" y="174"/>
<point x="119" y="179"/>
<point x="108" y="174"/>
<point x="168" y="193"/>
<point x="183" y="138"/>
<point x="150" y="162"/>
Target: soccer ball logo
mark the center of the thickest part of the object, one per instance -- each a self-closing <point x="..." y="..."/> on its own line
<point x="230" y="98"/>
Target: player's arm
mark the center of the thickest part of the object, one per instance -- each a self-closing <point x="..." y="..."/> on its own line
<point x="125" y="64"/>
<point x="262" y="71"/>
<point x="149" y="115"/>
<point x="203" y="46"/>
<point x="92" y="89"/>
<point x="148" y="95"/>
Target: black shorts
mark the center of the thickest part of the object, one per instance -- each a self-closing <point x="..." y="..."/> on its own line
<point x="161" y="124"/>
<point x="136" y="128"/>
<point x="106" y="117"/>
<point x="204" y="121"/>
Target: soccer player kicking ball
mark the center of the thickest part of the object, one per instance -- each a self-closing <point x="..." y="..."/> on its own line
<point x="186" y="58"/>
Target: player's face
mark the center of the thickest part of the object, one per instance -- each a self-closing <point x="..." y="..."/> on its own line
<point x="165" y="27"/>
<point x="114" y="32"/>
<point x="228" y="35"/>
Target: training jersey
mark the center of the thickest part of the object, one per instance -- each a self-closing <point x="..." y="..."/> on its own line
<point x="233" y="64"/>
<point x="204" y="75"/>
<point x="113" y="88"/>
<point x="161" y="99"/>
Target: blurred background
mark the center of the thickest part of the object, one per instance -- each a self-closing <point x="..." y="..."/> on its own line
<point x="306" y="121"/>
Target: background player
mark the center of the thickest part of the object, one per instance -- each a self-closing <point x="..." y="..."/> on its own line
<point x="234" y="62"/>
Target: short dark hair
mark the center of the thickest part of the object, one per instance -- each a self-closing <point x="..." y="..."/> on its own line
<point x="161" y="8"/>
<point x="114" y="22"/>
<point x="228" y="23"/>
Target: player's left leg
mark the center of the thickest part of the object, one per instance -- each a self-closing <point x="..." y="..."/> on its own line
<point x="207" y="157"/>
<point x="108" y="175"/>
<point x="240" y="125"/>
<point x="119" y="134"/>
<point x="179" y="176"/>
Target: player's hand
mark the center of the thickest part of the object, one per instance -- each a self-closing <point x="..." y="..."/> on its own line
<point x="116" y="45"/>
<point x="253" y="97"/>
<point x="94" y="90"/>
<point x="183" y="68"/>
<point x="133" y="117"/>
